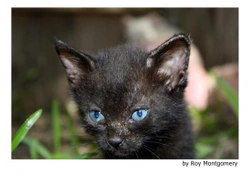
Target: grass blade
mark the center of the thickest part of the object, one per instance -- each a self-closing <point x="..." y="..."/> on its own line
<point x="71" y="130"/>
<point x="25" y="127"/>
<point x="228" y="92"/>
<point x="33" y="152"/>
<point x="56" y="126"/>
<point x="86" y="155"/>
<point x="36" y="147"/>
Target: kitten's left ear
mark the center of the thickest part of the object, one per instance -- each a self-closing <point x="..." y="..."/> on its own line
<point x="169" y="62"/>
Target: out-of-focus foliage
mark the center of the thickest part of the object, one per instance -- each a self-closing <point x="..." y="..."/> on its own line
<point x="214" y="136"/>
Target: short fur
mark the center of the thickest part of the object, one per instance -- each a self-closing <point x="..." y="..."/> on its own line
<point x="118" y="81"/>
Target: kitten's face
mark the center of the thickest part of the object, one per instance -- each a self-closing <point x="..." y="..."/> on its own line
<point x="124" y="93"/>
<point x="118" y="108"/>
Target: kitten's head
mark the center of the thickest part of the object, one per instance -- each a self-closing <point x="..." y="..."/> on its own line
<point x="126" y="96"/>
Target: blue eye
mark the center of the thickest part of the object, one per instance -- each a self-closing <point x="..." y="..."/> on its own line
<point x="96" y="116"/>
<point x="139" y="114"/>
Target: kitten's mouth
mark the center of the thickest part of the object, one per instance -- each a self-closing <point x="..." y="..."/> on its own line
<point x="122" y="153"/>
<point x="124" y="150"/>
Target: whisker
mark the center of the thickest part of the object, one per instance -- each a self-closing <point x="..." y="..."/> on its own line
<point x="156" y="142"/>
<point x="163" y="144"/>
<point x="136" y="154"/>
<point x="147" y="148"/>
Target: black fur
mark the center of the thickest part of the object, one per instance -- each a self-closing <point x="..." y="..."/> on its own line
<point x="121" y="80"/>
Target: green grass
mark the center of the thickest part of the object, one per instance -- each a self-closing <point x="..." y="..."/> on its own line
<point x="72" y="132"/>
<point x="229" y="93"/>
<point x="25" y="127"/>
<point x="38" y="150"/>
<point x="56" y="127"/>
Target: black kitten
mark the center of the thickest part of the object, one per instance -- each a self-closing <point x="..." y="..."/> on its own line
<point x="132" y="100"/>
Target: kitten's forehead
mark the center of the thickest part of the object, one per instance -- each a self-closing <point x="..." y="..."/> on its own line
<point x="122" y="64"/>
<point x="118" y="92"/>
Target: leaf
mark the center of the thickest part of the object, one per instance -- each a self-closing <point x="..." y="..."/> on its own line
<point x="25" y="127"/>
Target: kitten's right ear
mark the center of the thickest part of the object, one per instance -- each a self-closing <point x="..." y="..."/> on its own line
<point x="75" y="63"/>
<point x="169" y="62"/>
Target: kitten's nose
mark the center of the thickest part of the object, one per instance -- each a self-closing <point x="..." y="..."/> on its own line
<point x="115" y="142"/>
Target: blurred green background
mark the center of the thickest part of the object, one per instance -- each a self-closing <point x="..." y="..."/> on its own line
<point x="39" y="81"/>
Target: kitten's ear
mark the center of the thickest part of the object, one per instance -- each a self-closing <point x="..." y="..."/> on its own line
<point x="75" y="63"/>
<point x="169" y="62"/>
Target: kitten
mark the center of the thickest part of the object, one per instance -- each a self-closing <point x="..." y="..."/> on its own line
<point x="132" y="100"/>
